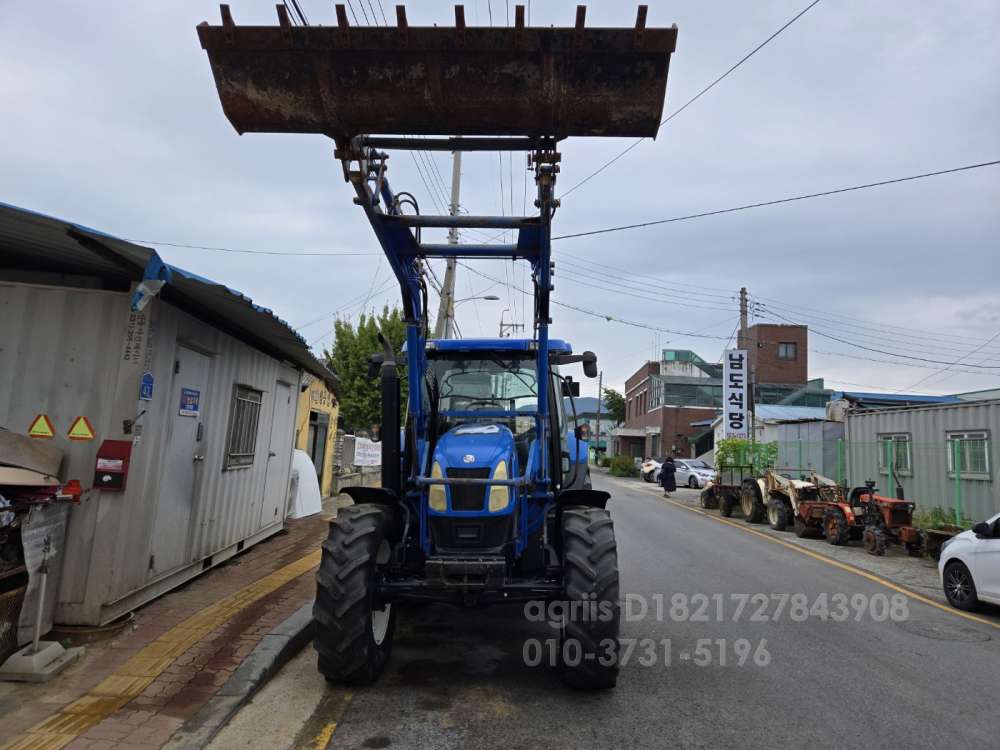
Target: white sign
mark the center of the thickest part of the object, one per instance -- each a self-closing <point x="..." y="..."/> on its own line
<point x="367" y="452"/>
<point x="735" y="406"/>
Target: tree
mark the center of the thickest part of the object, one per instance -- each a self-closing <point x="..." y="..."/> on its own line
<point x="616" y="405"/>
<point x="360" y="402"/>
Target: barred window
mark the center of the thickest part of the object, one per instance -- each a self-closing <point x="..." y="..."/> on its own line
<point x="898" y="447"/>
<point x="973" y="452"/>
<point x="244" y="417"/>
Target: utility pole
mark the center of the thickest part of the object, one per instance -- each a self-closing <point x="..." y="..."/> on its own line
<point x="445" y="325"/>
<point x="743" y="318"/>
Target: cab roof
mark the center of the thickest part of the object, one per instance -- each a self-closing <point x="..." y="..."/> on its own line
<point x="495" y="345"/>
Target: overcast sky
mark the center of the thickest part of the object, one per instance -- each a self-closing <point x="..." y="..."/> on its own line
<point x="111" y="119"/>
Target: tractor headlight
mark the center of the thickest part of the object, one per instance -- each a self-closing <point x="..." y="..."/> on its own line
<point x="437" y="498"/>
<point x="499" y="496"/>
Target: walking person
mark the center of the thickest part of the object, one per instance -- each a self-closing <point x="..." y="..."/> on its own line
<point x="667" y="479"/>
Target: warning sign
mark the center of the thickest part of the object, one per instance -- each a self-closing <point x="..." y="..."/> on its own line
<point x="41" y="427"/>
<point x="81" y="429"/>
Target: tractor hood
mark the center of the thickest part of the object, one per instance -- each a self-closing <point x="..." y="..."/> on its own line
<point x="474" y="446"/>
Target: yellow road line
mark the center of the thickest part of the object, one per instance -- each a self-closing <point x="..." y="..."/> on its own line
<point x="129" y="680"/>
<point x="318" y="739"/>
<point x="838" y="564"/>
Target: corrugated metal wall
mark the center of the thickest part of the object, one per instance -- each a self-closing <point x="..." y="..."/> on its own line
<point x="928" y="484"/>
<point x="70" y="352"/>
<point x="805" y="446"/>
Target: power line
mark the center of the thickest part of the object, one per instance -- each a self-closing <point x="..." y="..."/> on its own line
<point x="632" y="282"/>
<point x="697" y="96"/>
<point x="850" y="322"/>
<point x="958" y="361"/>
<point x="779" y="200"/>
<point x="929" y="343"/>
<point x="879" y="351"/>
<point x="318" y="253"/>
<point x="606" y="316"/>
<point x="638" y="295"/>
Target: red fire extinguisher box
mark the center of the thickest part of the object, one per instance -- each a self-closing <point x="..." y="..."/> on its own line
<point x="111" y="469"/>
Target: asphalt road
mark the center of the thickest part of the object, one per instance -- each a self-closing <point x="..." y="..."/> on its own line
<point x="868" y="674"/>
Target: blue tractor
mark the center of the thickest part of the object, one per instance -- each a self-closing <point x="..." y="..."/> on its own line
<point x="486" y="494"/>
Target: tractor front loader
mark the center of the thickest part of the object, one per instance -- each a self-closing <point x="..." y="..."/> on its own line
<point x="485" y="492"/>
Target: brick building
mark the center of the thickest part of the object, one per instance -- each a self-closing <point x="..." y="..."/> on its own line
<point x="668" y="403"/>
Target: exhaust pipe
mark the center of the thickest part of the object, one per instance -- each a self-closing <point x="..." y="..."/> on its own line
<point x="389" y="381"/>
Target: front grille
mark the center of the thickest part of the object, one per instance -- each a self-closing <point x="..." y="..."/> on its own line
<point x="900" y="517"/>
<point x="468" y="496"/>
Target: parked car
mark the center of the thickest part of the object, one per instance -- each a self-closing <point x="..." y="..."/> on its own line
<point x="693" y="472"/>
<point x="970" y="565"/>
<point x="649" y="469"/>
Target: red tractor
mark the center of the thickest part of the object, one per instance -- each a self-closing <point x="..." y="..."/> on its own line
<point x="888" y="520"/>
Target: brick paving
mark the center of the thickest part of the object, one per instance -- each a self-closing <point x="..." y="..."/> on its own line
<point x="97" y="703"/>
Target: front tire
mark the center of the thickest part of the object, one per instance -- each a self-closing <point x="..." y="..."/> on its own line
<point x="959" y="587"/>
<point x="778" y="513"/>
<point x="835" y="527"/>
<point x="353" y="630"/>
<point x="693" y="483"/>
<point x="751" y="502"/>
<point x="590" y="572"/>
<point x="874" y="541"/>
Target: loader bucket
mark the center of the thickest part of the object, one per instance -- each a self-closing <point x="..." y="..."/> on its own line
<point x="344" y="81"/>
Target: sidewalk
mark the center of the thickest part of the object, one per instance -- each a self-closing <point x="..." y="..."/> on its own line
<point x="137" y="689"/>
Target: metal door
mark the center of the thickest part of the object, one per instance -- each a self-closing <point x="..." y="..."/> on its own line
<point x="279" y="456"/>
<point x="182" y="460"/>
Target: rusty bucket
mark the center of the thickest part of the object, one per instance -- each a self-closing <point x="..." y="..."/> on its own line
<point x="344" y="81"/>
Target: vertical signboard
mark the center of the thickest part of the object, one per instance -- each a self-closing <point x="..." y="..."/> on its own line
<point x="735" y="406"/>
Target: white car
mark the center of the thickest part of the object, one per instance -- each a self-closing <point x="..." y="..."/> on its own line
<point x="691" y="472"/>
<point x="970" y="565"/>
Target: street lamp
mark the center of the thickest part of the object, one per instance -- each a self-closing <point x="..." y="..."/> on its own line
<point x="488" y="298"/>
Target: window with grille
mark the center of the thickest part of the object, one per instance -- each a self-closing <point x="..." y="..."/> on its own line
<point x="894" y="450"/>
<point x="244" y="419"/>
<point x="973" y="453"/>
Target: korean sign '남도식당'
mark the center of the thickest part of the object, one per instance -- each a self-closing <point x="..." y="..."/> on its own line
<point x="735" y="407"/>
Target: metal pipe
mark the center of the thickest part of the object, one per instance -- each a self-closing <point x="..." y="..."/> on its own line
<point x="468" y="251"/>
<point x="458" y="221"/>
<point x="458" y="144"/>
<point x="43" y="574"/>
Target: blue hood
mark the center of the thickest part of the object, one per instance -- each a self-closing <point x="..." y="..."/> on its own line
<point x="486" y="443"/>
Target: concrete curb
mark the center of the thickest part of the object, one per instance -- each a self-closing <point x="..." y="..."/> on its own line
<point x="271" y="654"/>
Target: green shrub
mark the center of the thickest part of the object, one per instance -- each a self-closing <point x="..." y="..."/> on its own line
<point x="939" y="518"/>
<point x="737" y="452"/>
<point x="623" y="466"/>
<point x="604" y="461"/>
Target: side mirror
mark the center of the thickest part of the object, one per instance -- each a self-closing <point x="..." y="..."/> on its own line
<point x="590" y="364"/>
<point x="580" y="433"/>
<point x="982" y="529"/>
<point x="570" y="388"/>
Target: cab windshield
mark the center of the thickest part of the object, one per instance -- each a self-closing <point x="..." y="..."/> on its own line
<point x="486" y="384"/>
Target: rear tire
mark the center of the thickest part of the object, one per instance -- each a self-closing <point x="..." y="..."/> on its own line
<point x="835" y="526"/>
<point x="708" y="499"/>
<point x="647" y="476"/>
<point x="778" y="513"/>
<point x="751" y="502"/>
<point x="589" y="646"/>
<point x="726" y="503"/>
<point x="353" y="632"/>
